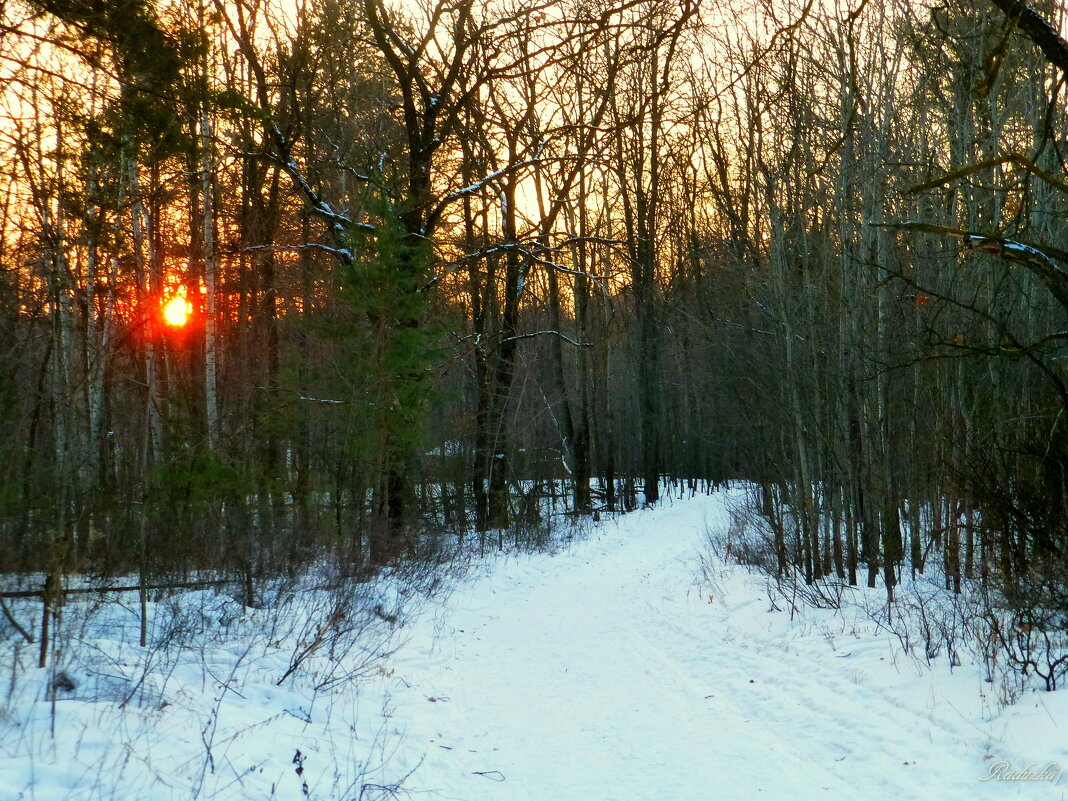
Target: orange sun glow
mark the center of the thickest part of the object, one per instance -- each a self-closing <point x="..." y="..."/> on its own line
<point x="176" y="308"/>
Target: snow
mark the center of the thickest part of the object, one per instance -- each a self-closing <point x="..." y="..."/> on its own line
<point x="477" y="186"/>
<point x="447" y="448"/>
<point x="627" y="665"/>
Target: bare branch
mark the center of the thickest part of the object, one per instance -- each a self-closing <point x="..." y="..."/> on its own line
<point x="14" y="623"/>
<point x="1022" y="162"/>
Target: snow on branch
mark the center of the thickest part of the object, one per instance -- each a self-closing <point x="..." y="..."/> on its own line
<point x="1041" y="261"/>
<point x="478" y="186"/>
<point x="564" y="337"/>
<point x="308" y="398"/>
<point x="1015" y="251"/>
<point x="341" y="253"/>
<point x="329" y="401"/>
<point x="318" y="203"/>
<point x="533" y="254"/>
<point x="597" y="279"/>
<point x="478" y="337"/>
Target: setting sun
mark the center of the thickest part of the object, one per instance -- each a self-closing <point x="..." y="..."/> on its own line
<point x="176" y="308"/>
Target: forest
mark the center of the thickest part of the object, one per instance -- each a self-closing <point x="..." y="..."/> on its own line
<point x="292" y="280"/>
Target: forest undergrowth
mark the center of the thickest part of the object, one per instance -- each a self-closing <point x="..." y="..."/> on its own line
<point x="1021" y="647"/>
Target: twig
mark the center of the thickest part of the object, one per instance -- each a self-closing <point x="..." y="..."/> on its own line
<point x="26" y="635"/>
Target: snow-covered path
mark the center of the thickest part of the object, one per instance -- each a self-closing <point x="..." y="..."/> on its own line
<point x="605" y="674"/>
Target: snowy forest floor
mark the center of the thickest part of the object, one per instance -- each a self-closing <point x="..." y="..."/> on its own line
<point x="623" y="666"/>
